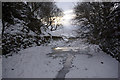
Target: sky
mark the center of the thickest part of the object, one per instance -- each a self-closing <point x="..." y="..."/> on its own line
<point x="67" y="8"/>
<point x="65" y="5"/>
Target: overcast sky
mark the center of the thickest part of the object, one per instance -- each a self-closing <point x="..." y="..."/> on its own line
<point x="67" y="8"/>
<point x="65" y="5"/>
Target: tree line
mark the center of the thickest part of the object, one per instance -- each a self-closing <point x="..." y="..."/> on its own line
<point x="100" y="24"/>
<point x="19" y="19"/>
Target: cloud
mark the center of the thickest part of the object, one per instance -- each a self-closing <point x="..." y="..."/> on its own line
<point x="68" y="12"/>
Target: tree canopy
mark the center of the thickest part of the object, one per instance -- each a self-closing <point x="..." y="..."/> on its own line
<point x="101" y="19"/>
<point x="23" y="23"/>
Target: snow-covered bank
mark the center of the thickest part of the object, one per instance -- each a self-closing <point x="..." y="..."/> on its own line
<point x="35" y="63"/>
<point x="100" y="65"/>
<point x="31" y="63"/>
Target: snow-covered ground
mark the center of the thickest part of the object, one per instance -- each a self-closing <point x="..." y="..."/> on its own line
<point x="43" y="62"/>
<point x="66" y="31"/>
<point x="99" y="66"/>
<point x="0" y="67"/>
<point x="35" y="62"/>
<point x="31" y="63"/>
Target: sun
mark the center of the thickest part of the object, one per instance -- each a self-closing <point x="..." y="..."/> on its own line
<point x="66" y="19"/>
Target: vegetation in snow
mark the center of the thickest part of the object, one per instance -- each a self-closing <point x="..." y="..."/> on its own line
<point x="25" y="23"/>
<point x="100" y="25"/>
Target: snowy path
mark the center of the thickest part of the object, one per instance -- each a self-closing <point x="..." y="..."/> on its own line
<point x="42" y="62"/>
<point x="34" y="62"/>
<point x="31" y="63"/>
<point x="66" y="66"/>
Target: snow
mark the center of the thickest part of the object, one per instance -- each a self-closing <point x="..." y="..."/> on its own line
<point x="34" y="62"/>
<point x="31" y="63"/>
<point x="85" y="67"/>
<point x="42" y="62"/>
<point x="0" y="67"/>
<point x="65" y="31"/>
<point x="17" y="28"/>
